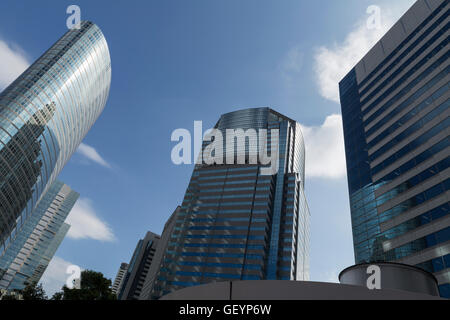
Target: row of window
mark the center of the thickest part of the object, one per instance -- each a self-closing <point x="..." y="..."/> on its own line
<point x="405" y="42"/>
<point x="441" y="127"/>
<point x="422" y="243"/>
<point x="394" y="74"/>
<point x="418" y="199"/>
<point x="217" y="236"/>
<point x="414" y="181"/>
<point x="408" y="116"/>
<point x="436" y="264"/>
<point x="361" y="234"/>
<point x="246" y="219"/>
<point x="252" y="228"/>
<point x="405" y="91"/>
<point x="217" y="255"/>
<point x="220" y="245"/>
<point x="422" y="157"/>
<point x="217" y="264"/>
<point x="410" y="130"/>
<point x="222" y="211"/>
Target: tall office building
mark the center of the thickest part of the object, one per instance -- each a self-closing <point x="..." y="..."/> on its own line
<point x="159" y="257"/>
<point x="118" y="281"/>
<point x="239" y="221"/>
<point x="31" y="251"/>
<point x="44" y="115"/>
<point x="395" y="109"/>
<point x="138" y="267"/>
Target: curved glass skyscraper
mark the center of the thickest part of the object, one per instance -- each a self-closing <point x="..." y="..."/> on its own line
<point x="44" y="115"/>
<point x="237" y="222"/>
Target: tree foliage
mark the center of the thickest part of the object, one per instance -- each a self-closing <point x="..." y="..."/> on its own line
<point x="33" y="291"/>
<point x="93" y="286"/>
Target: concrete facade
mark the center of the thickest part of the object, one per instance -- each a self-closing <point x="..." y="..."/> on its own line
<point x="158" y="257"/>
<point x="120" y="277"/>
<point x="138" y="267"/>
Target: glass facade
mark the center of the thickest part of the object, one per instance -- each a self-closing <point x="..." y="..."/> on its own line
<point x="44" y="115"/>
<point x="236" y="223"/>
<point x="395" y="109"/>
<point x="30" y="252"/>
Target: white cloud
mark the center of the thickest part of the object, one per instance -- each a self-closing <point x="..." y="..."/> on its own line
<point x="333" y="63"/>
<point x="12" y="63"/>
<point x="55" y="276"/>
<point x="325" y="153"/>
<point x="85" y="224"/>
<point x="92" y="154"/>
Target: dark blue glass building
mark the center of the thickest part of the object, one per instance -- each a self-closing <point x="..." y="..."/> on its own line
<point x="238" y="222"/>
<point x="395" y="109"/>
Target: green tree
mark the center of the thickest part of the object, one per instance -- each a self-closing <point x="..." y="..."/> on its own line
<point x="93" y="286"/>
<point x="58" y="296"/>
<point x="33" y="291"/>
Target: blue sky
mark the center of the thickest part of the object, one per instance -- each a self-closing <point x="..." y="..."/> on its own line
<point x="177" y="61"/>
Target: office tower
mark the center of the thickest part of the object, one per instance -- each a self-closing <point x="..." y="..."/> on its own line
<point x="44" y="115"/>
<point x="118" y="281"/>
<point x="31" y="251"/>
<point x="237" y="220"/>
<point x="395" y="109"/>
<point x="138" y="267"/>
<point x="159" y="257"/>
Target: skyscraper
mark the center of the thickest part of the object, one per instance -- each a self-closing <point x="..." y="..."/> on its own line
<point x="30" y="252"/>
<point x="138" y="267"/>
<point x="395" y="109"/>
<point x="159" y="257"/>
<point x="118" y="281"/>
<point x="238" y="221"/>
<point x="44" y="115"/>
